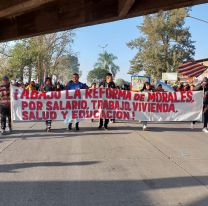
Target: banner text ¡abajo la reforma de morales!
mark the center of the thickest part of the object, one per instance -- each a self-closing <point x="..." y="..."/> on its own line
<point x="106" y="103"/>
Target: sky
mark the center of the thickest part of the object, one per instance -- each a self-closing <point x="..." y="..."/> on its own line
<point x="115" y="35"/>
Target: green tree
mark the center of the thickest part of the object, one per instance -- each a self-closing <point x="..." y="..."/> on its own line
<point x="120" y="82"/>
<point x="40" y="56"/>
<point x="20" y="60"/>
<point x="4" y="67"/>
<point x="67" y="65"/>
<point x="48" y="49"/>
<point x="96" y="75"/>
<point x="165" y="43"/>
<point x="106" y="61"/>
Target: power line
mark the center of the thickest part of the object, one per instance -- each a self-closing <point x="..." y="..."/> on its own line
<point x="202" y="20"/>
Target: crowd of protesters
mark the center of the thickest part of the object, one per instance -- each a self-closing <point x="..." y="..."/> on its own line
<point x="74" y="84"/>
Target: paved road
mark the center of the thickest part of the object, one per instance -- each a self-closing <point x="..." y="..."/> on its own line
<point x="167" y="166"/>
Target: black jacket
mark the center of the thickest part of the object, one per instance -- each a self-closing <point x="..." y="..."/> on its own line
<point x="48" y="88"/>
<point x="107" y="85"/>
<point x="199" y="87"/>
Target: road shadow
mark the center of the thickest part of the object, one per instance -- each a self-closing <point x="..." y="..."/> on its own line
<point x="172" y="129"/>
<point x="92" y="131"/>
<point x="151" y="127"/>
<point x="12" y="168"/>
<point x="101" y="193"/>
<point x="56" y="133"/>
<point x="82" y="130"/>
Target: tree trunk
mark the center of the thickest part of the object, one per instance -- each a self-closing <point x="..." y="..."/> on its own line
<point x="21" y="74"/>
<point x="29" y="74"/>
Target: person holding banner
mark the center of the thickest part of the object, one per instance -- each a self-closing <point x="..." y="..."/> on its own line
<point x="5" y="107"/>
<point x="48" y="87"/>
<point x="146" y="88"/>
<point x="204" y="86"/>
<point x="74" y="84"/>
<point x="108" y="83"/>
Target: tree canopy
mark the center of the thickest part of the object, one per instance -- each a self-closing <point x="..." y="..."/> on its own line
<point x="120" y="82"/>
<point x="105" y="63"/>
<point x="42" y="56"/>
<point x="96" y="75"/>
<point x="165" y="43"/>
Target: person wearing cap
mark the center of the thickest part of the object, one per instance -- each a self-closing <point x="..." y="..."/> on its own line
<point x="5" y="107"/>
<point x="204" y="86"/>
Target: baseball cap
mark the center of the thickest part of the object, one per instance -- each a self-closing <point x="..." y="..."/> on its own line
<point x="5" y="78"/>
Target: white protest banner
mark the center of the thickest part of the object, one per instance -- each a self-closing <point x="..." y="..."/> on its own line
<point x="106" y="103"/>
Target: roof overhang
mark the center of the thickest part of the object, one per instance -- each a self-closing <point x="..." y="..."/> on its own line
<point x="25" y="18"/>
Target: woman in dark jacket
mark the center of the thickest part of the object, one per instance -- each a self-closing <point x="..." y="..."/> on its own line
<point x="48" y="87"/>
<point x="146" y="88"/>
<point x="108" y="83"/>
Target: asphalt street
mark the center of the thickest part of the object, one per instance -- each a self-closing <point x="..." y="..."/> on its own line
<point x="124" y="166"/>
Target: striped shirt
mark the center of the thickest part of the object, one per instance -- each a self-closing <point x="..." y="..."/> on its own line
<point x="5" y="95"/>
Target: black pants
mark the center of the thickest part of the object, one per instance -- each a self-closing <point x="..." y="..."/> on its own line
<point x="205" y="119"/>
<point x="5" y="112"/>
<point x="105" y="123"/>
